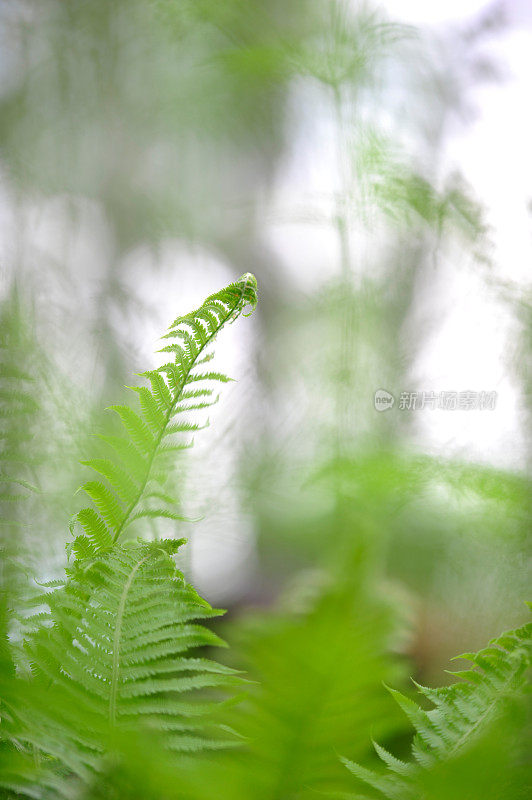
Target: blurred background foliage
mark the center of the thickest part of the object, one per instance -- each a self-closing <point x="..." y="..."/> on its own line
<point x="152" y="149"/>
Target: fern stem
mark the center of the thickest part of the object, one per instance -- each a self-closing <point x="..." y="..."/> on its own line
<point x="116" y="640"/>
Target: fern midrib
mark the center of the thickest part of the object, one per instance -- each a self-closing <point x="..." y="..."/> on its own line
<point x="116" y="639"/>
<point x="169" y="414"/>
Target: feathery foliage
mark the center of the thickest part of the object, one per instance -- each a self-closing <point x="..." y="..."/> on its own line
<point x="111" y="651"/>
<point x="462" y="711"/>
<point x="133" y="476"/>
<point x="117" y="646"/>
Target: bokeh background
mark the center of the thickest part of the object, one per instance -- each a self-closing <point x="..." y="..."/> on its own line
<point x="370" y="164"/>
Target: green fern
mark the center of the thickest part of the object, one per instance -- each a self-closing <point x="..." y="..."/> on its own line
<point x="111" y="652"/>
<point x="133" y="476"/>
<point x="118" y="647"/>
<point x="461" y="713"/>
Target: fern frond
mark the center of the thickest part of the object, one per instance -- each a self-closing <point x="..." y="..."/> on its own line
<point x="461" y="713"/>
<point x="137" y="465"/>
<point x="118" y="654"/>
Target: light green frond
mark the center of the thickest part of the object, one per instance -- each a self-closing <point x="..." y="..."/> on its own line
<point x="119" y="651"/>
<point x="461" y="713"/>
<point x="141" y="457"/>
